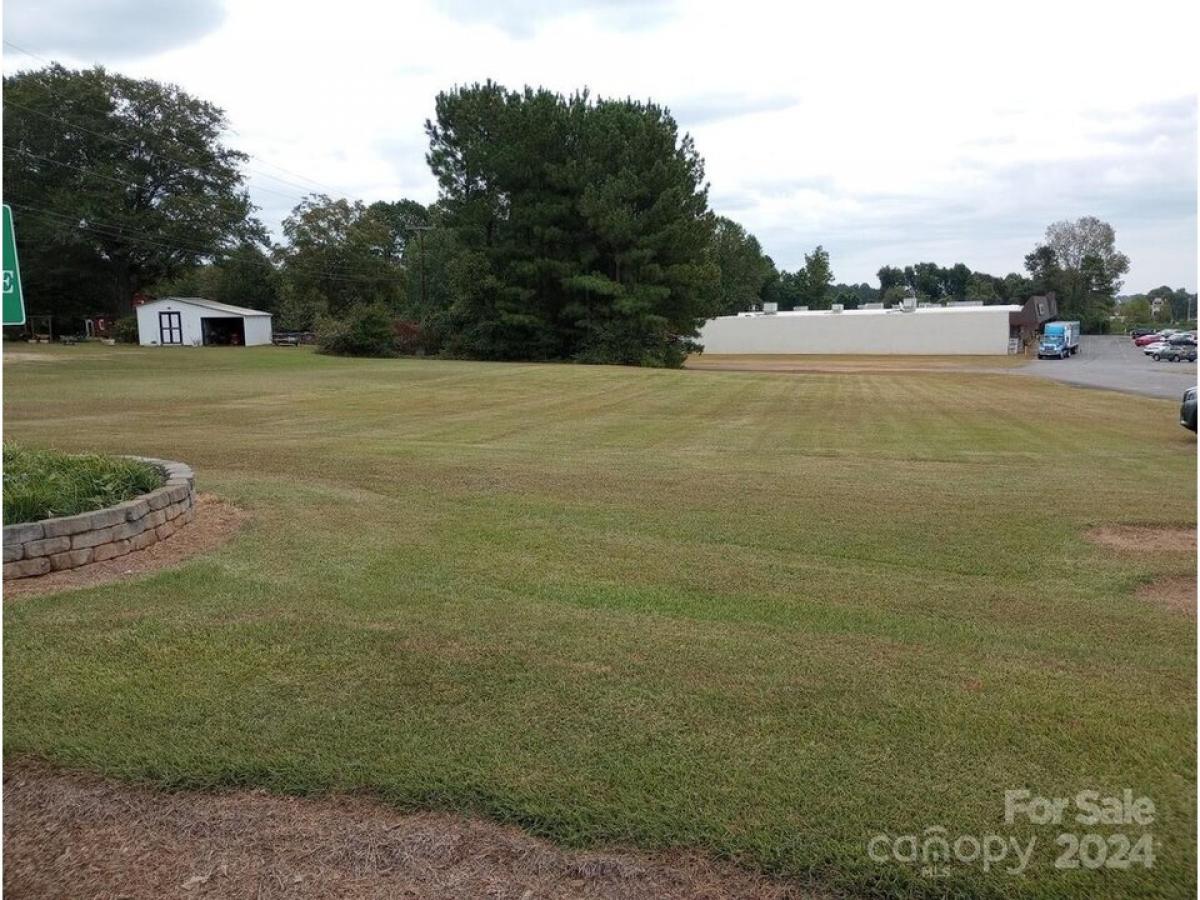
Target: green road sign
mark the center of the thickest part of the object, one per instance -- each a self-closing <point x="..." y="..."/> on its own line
<point x="14" y="300"/>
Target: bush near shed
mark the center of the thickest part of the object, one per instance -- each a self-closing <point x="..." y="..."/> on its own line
<point x="363" y="331"/>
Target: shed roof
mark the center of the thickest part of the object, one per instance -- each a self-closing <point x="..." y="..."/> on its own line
<point x="211" y="304"/>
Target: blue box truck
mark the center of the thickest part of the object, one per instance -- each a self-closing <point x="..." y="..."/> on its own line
<point x="1060" y="339"/>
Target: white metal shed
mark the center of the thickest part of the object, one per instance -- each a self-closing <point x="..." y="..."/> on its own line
<point x="195" y="322"/>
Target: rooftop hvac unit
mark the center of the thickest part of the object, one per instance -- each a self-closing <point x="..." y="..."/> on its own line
<point x="836" y="308"/>
<point x="909" y="304"/>
<point x="799" y="309"/>
<point x="770" y="308"/>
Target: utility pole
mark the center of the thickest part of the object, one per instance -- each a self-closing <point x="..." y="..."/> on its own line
<point x="420" y="230"/>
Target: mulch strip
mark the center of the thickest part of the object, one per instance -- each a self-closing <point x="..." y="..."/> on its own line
<point x="215" y="522"/>
<point x="78" y="835"/>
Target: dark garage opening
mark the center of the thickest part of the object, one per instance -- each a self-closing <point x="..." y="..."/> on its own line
<point x="223" y="332"/>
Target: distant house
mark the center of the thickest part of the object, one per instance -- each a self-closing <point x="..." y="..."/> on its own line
<point x="195" y="322"/>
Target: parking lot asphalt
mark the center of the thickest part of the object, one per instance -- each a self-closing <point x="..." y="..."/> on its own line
<point x="1113" y="362"/>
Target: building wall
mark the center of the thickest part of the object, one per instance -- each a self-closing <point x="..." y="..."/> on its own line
<point x="258" y="328"/>
<point x="147" y="316"/>
<point x="977" y="330"/>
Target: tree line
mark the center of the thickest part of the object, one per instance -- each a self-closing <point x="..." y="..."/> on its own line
<point x="1077" y="261"/>
<point x="1162" y="305"/>
<point x="566" y="227"/>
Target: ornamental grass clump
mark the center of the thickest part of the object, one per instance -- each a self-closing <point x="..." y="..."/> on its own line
<point x="43" y="484"/>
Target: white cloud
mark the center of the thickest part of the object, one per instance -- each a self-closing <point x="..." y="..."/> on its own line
<point x="890" y="133"/>
<point x="114" y="29"/>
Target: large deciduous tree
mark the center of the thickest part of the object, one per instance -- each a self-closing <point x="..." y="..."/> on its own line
<point x="1074" y="242"/>
<point x="745" y="270"/>
<point x="1137" y="311"/>
<point x="815" y="278"/>
<point x="982" y="287"/>
<point x="116" y="184"/>
<point x="955" y="280"/>
<point x="243" y="277"/>
<point x="341" y="254"/>
<point x="889" y="277"/>
<point x="1180" y="302"/>
<point x="925" y="280"/>
<point x="1080" y="262"/>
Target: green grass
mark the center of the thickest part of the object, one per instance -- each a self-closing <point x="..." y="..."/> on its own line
<point x="764" y="615"/>
<point x="42" y="484"/>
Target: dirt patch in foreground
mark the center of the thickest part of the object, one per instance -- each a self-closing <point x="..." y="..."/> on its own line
<point x="68" y="835"/>
<point x="1145" y="538"/>
<point x="215" y="522"/>
<point x="1175" y="592"/>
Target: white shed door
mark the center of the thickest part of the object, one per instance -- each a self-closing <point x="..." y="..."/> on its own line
<point x="170" y="328"/>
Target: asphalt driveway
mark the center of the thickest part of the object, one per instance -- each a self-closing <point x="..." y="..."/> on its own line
<point x="1112" y="362"/>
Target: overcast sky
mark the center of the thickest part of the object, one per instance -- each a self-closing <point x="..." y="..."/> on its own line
<point x="890" y="133"/>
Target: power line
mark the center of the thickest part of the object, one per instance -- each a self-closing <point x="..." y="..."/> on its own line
<point x="110" y="231"/>
<point x="55" y="162"/>
<point x="124" y="233"/>
<point x="109" y="137"/>
<point x="9" y="43"/>
<point x="124" y="230"/>
<point x="91" y="174"/>
<point x="121" y="232"/>
<point x="305" y="188"/>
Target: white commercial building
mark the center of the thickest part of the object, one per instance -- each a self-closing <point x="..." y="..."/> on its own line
<point x="932" y="330"/>
<point x="195" y="322"/>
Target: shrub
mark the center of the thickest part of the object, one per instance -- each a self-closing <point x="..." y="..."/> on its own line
<point x="362" y="331"/>
<point x="42" y="484"/>
<point x="299" y="311"/>
<point x="632" y="342"/>
<point x="408" y="337"/>
<point x="125" y="330"/>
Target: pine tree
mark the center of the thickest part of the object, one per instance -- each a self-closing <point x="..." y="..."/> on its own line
<point x="585" y="222"/>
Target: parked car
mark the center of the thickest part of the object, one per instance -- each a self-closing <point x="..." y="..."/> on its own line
<point x="1148" y="339"/>
<point x="1180" y="347"/>
<point x="1187" y="410"/>
<point x="1136" y="333"/>
<point x="1175" y="353"/>
<point x="1151" y="349"/>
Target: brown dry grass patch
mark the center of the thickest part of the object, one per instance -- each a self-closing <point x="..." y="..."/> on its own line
<point x="71" y="835"/>
<point x="1145" y="538"/>
<point x="21" y="356"/>
<point x="215" y="522"/>
<point x="1175" y="592"/>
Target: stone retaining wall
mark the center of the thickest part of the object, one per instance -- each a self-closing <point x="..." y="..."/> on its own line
<point x="35" y="548"/>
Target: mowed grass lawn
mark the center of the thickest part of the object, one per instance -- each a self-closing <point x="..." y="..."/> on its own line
<point x="764" y="615"/>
